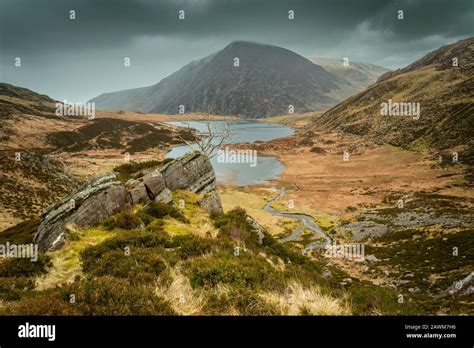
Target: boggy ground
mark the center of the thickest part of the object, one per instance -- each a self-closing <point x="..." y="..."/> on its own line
<point x="412" y="213"/>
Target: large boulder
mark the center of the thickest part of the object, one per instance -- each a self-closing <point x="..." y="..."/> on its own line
<point x="194" y="173"/>
<point x="186" y="171"/>
<point x="105" y="196"/>
<point x="139" y="194"/>
<point x="95" y="201"/>
<point x="154" y="183"/>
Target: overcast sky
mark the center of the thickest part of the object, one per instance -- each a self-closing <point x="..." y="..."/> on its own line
<point x="82" y="58"/>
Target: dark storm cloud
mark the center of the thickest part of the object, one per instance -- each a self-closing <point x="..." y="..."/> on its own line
<point x="61" y="57"/>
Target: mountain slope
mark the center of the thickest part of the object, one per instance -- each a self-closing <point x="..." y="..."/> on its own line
<point x="266" y="82"/>
<point x="445" y="94"/>
<point x="18" y="100"/>
<point x="359" y="75"/>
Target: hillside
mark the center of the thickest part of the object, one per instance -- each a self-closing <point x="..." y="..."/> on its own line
<point x="18" y="100"/>
<point x="183" y="259"/>
<point x="267" y="80"/>
<point x="359" y="75"/>
<point x="43" y="156"/>
<point x="444" y="93"/>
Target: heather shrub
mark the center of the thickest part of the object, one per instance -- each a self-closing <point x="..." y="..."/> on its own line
<point x="98" y="296"/>
<point x="141" y="266"/>
<point x="159" y="210"/>
<point x="126" y="220"/>
<point x="24" y="267"/>
<point x="245" y="270"/>
<point x="12" y="289"/>
<point x="234" y="226"/>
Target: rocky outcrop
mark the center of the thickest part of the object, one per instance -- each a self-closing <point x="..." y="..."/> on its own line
<point x="105" y="196"/>
<point x="464" y="286"/>
<point x="97" y="200"/>
<point x="194" y="173"/>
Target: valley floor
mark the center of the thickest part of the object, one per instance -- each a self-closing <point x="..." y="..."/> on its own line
<point x="408" y="210"/>
<point x="412" y="213"/>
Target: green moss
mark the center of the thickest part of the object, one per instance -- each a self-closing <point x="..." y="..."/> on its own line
<point x="126" y="171"/>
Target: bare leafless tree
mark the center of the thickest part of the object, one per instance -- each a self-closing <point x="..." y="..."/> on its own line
<point x="209" y="141"/>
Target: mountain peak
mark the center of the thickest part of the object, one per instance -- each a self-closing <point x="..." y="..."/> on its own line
<point x="248" y="44"/>
<point x="265" y="80"/>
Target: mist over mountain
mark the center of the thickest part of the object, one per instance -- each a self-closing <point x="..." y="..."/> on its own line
<point x="359" y="75"/>
<point x="245" y="78"/>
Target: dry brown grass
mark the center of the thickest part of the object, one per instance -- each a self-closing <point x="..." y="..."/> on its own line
<point x="310" y="300"/>
<point x="178" y="291"/>
<point x="327" y="183"/>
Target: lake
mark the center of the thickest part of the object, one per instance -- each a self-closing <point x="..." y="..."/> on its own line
<point x="243" y="131"/>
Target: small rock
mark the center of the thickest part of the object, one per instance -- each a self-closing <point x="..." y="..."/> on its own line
<point x="327" y="273"/>
<point x="372" y="258"/>
<point x="165" y="196"/>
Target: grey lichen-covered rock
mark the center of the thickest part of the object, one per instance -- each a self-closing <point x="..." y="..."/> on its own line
<point x="186" y="172"/>
<point x="154" y="183"/>
<point x="211" y="202"/>
<point x="139" y="194"/>
<point x="105" y="196"/>
<point x="194" y="173"/>
<point x="97" y="200"/>
<point x="257" y="228"/>
<point x="165" y="196"/>
<point x="464" y="286"/>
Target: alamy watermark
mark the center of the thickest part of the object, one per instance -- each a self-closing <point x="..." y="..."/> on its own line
<point x="392" y="108"/>
<point x="345" y="251"/>
<point x="75" y="109"/>
<point x="29" y="251"/>
<point x="237" y="156"/>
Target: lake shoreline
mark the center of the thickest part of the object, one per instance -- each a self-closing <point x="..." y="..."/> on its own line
<point x="250" y="132"/>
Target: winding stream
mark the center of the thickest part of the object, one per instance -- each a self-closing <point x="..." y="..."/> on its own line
<point x="269" y="167"/>
<point x="306" y="222"/>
